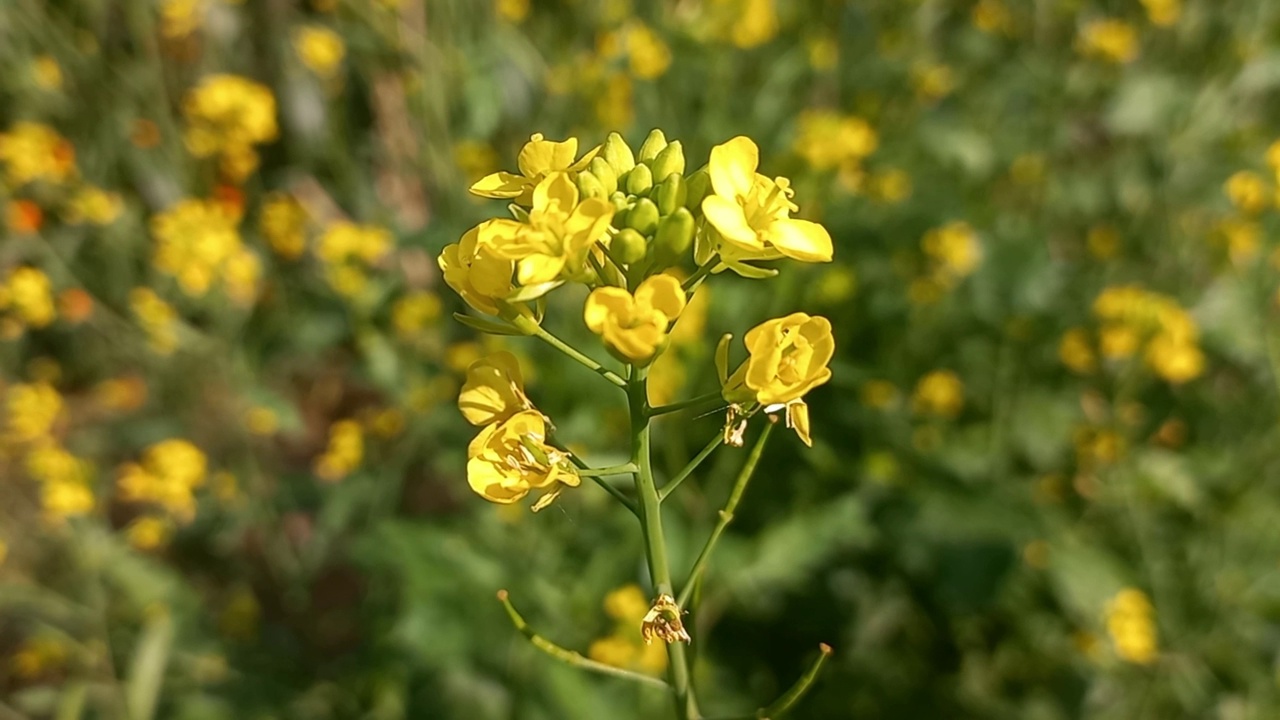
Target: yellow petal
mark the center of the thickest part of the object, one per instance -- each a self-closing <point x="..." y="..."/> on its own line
<point x="733" y="167"/>
<point x="662" y="293"/>
<point x="494" y="390"/>
<point x="499" y="185"/>
<point x="555" y="187"/>
<point x="727" y="218"/>
<point x="603" y="303"/>
<point x="540" y="156"/>
<point x="488" y="481"/>
<point x="798" y="420"/>
<point x="587" y="224"/>
<point x="801" y="240"/>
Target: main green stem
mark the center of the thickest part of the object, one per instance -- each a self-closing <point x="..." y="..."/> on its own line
<point x="655" y="542"/>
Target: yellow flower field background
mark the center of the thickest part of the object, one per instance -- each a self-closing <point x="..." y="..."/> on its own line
<point x="1044" y="471"/>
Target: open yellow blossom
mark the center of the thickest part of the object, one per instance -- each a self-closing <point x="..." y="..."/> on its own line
<point x="475" y="272"/>
<point x="195" y="239"/>
<point x="29" y="294"/>
<point x="508" y="460"/>
<point x="1131" y="625"/>
<point x="939" y="393"/>
<point x="537" y="159"/>
<point x="555" y="240"/>
<point x="320" y="49"/>
<point x="226" y="116"/>
<point x="30" y="152"/>
<point x="494" y="390"/>
<point x="634" y="327"/>
<point x="1109" y="39"/>
<point x="751" y="214"/>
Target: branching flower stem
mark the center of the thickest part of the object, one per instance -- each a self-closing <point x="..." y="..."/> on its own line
<point x="655" y="543"/>
<point x="709" y="402"/>
<point x="680" y="477"/>
<point x="527" y="325"/>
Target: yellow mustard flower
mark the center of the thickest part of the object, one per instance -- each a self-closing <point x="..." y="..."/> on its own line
<point x="939" y="393"/>
<point x="180" y="18"/>
<point x="954" y="251"/>
<point x="1076" y="352"/>
<point x="826" y="139"/>
<point x="554" y="241"/>
<point x="634" y="327"/>
<point x="1175" y="359"/>
<point x="149" y="532"/>
<point x="933" y="81"/>
<point x="878" y="394"/>
<point x="194" y="241"/>
<point x="1243" y="239"/>
<point x="510" y="459"/>
<point x="751" y="214"/>
<point x="513" y="11"/>
<point x="991" y="17"/>
<point x="1131" y="625"/>
<point x="494" y="390"/>
<point x="31" y="410"/>
<point x="479" y="276"/>
<point x="537" y="159"/>
<point x="284" y="223"/>
<point x="1248" y="191"/>
<point x="615" y="101"/>
<point x="47" y="72"/>
<point x="1163" y="13"/>
<point x="757" y="23"/>
<point x="167" y="476"/>
<point x="226" y="116"/>
<point x="29" y="294"/>
<point x="1109" y="39"/>
<point x="344" y="452"/>
<point x="413" y="312"/>
<point x="261" y="420"/>
<point x="93" y="205"/>
<point x="649" y="57"/>
<point x="320" y="49"/>
<point x="31" y="152"/>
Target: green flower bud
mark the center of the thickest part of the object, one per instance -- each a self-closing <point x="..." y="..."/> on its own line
<point x="670" y="160"/>
<point x="652" y="145"/>
<point x="670" y="194"/>
<point x="698" y="186"/>
<point x="639" y="180"/>
<point x="628" y="246"/>
<point x="590" y="186"/>
<point x="675" y="234"/>
<point x="617" y="153"/>
<point x="643" y="218"/>
<point x="605" y="173"/>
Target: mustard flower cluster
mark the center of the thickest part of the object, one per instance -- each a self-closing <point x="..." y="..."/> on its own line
<point x="227" y="116"/>
<point x="1131" y="625"/>
<point x="33" y="412"/>
<point x="1132" y="320"/>
<point x="198" y="243"/>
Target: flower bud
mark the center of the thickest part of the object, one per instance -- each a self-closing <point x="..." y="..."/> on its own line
<point x="643" y="218"/>
<point x="628" y="246"/>
<point x="617" y="153"/>
<point x="670" y="160"/>
<point x="698" y="186"/>
<point x="639" y="180"/>
<point x="621" y="205"/>
<point x="670" y="194"/>
<point x="605" y="173"/>
<point x="652" y="145"/>
<point x="590" y="186"/>
<point x="675" y="234"/>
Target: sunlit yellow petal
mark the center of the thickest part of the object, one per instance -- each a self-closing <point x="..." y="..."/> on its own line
<point x="663" y="293"/>
<point x="801" y="240"/>
<point x="727" y="218"/>
<point x="733" y="167"/>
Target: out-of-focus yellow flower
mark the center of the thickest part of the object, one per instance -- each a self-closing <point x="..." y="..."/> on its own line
<point x="180" y="18"/>
<point x="751" y="214"/>
<point x="30" y="411"/>
<point x="508" y="460"/>
<point x="62" y="500"/>
<point x="625" y="647"/>
<point x="537" y="159"/>
<point x="615" y="101"/>
<point x="347" y="250"/>
<point x="634" y="327"/>
<point x="1175" y="359"/>
<point x="127" y="392"/>
<point x="168" y="476"/>
<point x="890" y="185"/>
<point x="320" y="49"/>
<point x="555" y="240"/>
<point x="756" y="25"/>
<point x="991" y="17"/>
<point x="824" y="53"/>
<point x="1076" y="352"/>
<point x="1103" y="241"/>
<point x="933" y="81"/>
<point x="1273" y="156"/>
<point x="1248" y="191"/>
<point x="226" y="116"/>
<point x="953" y="251"/>
<point x="1163" y="13"/>
<point x="826" y="139"/>
<point x="261" y="420"/>
<point x="149" y="532"/>
<point x="939" y="393"/>
<point x="836" y="285"/>
<point x="1132" y="316"/>
<point x="1131" y="624"/>
<point x="1109" y="39"/>
<point x="878" y="394"/>
<point x="1243" y="239"/>
<point x="93" y="205"/>
<point x="47" y="73"/>
<point x="28" y="293"/>
<point x="157" y="317"/>
<point x="195" y="239"/>
<point x="789" y="357"/>
<point x="344" y="452"/>
<point x="494" y="390"/>
<point x="475" y="158"/>
<point x="461" y="355"/>
<point x="649" y="57"/>
<point x="38" y="656"/>
<point x="284" y="224"/>
<point x="31" y="152"/>
<point x="513" y="11"/>
<point x="413" y="312"/>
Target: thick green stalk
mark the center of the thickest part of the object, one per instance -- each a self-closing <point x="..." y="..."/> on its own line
<point x="655" y="543"/>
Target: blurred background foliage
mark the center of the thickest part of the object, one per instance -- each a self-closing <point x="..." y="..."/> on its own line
<point x="1044" y="481"/>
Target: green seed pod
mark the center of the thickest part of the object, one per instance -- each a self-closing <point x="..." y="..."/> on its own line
<point x="698" y="186"/>
<point x="590" y="186"/>
<point x="639" y="180"/>
<point x="670" y="160"/>
<point x="652" y="145"/>
<point x="675" y="234"/>
<point x="628" y="246"/>
<point x="670" y="194"/>
<point x="605" y="173"/>
<point x="618" y="154"/>
<point x="643" y="218"/>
